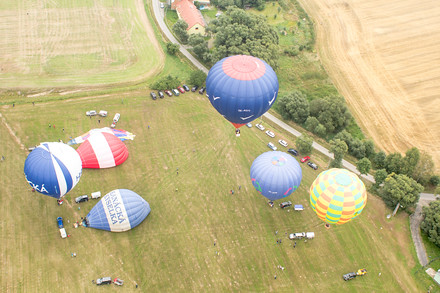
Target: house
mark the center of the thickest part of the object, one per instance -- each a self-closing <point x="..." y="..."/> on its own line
<point x="188" y="12"/>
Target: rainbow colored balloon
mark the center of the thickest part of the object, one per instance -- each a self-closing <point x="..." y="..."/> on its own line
<point x="338" y="196"/>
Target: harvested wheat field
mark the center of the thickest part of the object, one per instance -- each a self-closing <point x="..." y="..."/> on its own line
<point x="384" y="57"/>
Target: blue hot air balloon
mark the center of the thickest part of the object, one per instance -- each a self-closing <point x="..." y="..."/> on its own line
<point x="118" y="211"/>
<point x="275" y="174"/>
<point x="241" y="88"/>
<point x="53" y="168"/>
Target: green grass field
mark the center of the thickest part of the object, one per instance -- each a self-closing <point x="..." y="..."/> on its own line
<point x="172" y="250"/>
<point x="74" y="43"/>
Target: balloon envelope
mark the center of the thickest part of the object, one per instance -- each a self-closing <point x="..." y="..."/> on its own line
<point x="118" y="211"/>
<point x="338" y="196"/>
<point x="53" y="168"/>
<point x="119" y="133"/>
<point x="102" y="150"/>
<point x="241" y="88"/>
<point x="275" y="174"/>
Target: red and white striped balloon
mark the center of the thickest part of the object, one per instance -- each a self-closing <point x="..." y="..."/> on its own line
<point x="102" y="150"/>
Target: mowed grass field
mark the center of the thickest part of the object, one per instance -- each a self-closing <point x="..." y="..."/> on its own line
<point x="75" y="43"/>
<point x="173" y="249"/>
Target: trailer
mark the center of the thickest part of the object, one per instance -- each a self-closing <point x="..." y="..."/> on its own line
<point x="307" y="235"/>
<point x="96" y="194"/>
<point x="63" y="233"/>
<point x="299" y="207"/>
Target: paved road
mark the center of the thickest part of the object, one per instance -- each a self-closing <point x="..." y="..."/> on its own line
<point x="425" y="198"/>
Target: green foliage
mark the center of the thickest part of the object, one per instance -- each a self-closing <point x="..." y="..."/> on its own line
<point x="434" y="180"/>
<point x="380" y="176"/>
<point x="379" y="160"/>
<point x="292" y="51"/>
<point x="294" y="106"/>
<point x="339" y="149"/>
<point x="410" y="161"/>
<point x="238" y="32"/>
<point x="197" y="77"/>
<point x="200" y="47"/>
<point x="331" y="112"/>
<point x="320" y="130"/>
<point x="393" y="163"/>
<point x="399" y="188"/>
<point x="311" y="123"/>
<point x="304" y="143"/>
<point x="357" y="148"/>
<point x="166" y="82"/>
<point x="424" y="169"/>
<point x="431" y="223"/>
<point x="172" y="48"/>
<point x="369" y="148"/>
<point x="335" y="164"/>
<point x="363" y="165"/>
<point x="179" y="29"/>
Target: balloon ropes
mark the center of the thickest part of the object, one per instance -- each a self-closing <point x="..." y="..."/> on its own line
<point x="241" y="88"/>
<point x="338" y="196"/>
<point x="118" y="211"/>
<point x="53" y="169"/>
<point x="276" y="174"/>
<point x="102" y="150"/>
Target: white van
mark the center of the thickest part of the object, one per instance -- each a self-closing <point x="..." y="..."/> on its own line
<point x="63" y="233"/>
<point x="116" y="118"/>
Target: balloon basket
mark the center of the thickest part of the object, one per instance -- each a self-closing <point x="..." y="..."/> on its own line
<point x="327" y="226"/>
<point x="237" y="132"/>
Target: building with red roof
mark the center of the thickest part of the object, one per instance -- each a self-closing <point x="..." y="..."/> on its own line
<point x="188" y="12"/>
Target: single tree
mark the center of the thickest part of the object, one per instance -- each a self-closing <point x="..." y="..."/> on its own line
<point x="380" y="176"/>
<point x="304" y="143"/>
<point x="172" y="48"/>
<point x="357" y="149"/>
<point x="393" y="163"/>
<point x="402" y="190"/>
<point x="424" y="169"/>
<point x="331" y="112"/>
<point x="431" y="223"/>
<point x="434" y="180"/>
<point x="338" y="148"/>
<point x="311" y="123"/>
<point x="379" y="160"/>
<point x="199" y="46"/>
<point x="320" y="130"/>
<point x="197" y="77"/>
<point x="363" y="165"/>
<point x="410" y="161"/>
<point x="179" y="29"/>
<point x="294" y="106"/>
<point x="369" y="149"/>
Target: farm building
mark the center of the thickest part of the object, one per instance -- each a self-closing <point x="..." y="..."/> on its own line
<point x="188" y="12"/>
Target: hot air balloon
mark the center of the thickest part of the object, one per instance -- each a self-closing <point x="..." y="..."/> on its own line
<point x="53" y="168"/>
<point x="338" y="196"/>
<point x="241" y="88"/>
<point x="120" y="133"/>
<point x="118" y="211"/>
<point x="275" y="174"/>
<point x="102" y="150"/>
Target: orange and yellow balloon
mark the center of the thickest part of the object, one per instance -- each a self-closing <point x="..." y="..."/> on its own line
<point x="338" y="196"/>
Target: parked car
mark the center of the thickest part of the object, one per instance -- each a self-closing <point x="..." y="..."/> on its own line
<point x="102" y="113"/>
<point x="312" y="165"/>
<point x="105" y="280"/>
<point x="349" y="276"/>
<point x="249" y="125"/>
<point x="270" y="133"/>
<point x="194" y="88"/>
<point x="285" y="204"/>
<point x="283" y="143"/>
<point x="60" y="222"/>
<point x="259" y="126"/>
<point x="305" y="159"/>
<point x="272" y="146"/>
<point x="185" y="87"/>
<point x="293" y="152"/>
<point x="118" y="282"/>
<point x="91" y="113"/>
<point x="82" y="198"/>
<point x="116" y="118"/>
<point x="161" y="95"/>
<point x="175" y="92"/>
<point x="181" y="89"/>
<point x="202" y="90"/>
<point x="169" y="93"/>
<point x="162" y="5"/>
<point x="153" y="95"/>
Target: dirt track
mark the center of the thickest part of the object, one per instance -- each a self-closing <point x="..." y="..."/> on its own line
<point x="384" y="57"/>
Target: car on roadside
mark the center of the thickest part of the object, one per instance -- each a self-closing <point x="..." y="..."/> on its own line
<point x="285" y="204"/>
<point x="162" y="5"/>
<point x="153" y="95"/>
<point x="270" y="133"/>
<point x="194" y="88"/>
<point x="312" y="165"/>
<point x="103" y="281"/>
<point x="175" y="92"/>
<point x="283" y="143"/>
<point x="272" y="146"/>
<point x="181" y="89"/>
<point x="202" y="90"/>
<point x="293" y="152"/>
<point x="169" y="93"/>
<point x="185" y="87"/>
<point x="259" y="126"/>
<point x="305" y="159"/>
<point x="91" y="113"/>
<point x="161" y="95"/>
<point x="60" y="222"/>
<point x="249" y="125"/>
<point x="82" y="198"/>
